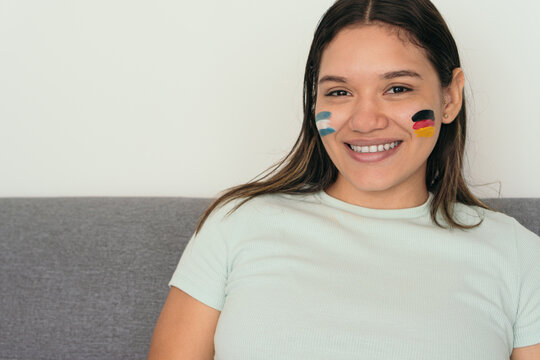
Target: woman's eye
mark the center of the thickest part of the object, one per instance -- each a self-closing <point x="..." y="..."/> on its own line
<point x="338" y="93"/>
<point x="398" y="89"/>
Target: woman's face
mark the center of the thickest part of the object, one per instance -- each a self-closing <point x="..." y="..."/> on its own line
<point x="379" y="111"/>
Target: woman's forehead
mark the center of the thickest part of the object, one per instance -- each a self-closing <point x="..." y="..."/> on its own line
<point x="371" y="48"/>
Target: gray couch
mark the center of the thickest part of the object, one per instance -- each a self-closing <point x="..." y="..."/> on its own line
<point x="85" y="278"/>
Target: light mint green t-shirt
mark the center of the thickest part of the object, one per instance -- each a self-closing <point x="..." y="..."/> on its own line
<point x="312" y="277"/>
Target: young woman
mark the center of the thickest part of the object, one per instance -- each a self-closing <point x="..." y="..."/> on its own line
<point x="364" y="243"/>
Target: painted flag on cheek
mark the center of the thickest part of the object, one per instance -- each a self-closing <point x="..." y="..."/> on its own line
<point x="424" y="123"/>
<point x="323" y="123"/>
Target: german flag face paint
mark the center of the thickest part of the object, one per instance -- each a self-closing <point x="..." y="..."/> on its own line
<point x="424" y="123"/>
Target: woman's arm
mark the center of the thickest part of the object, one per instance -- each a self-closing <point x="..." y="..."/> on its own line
<point x="526" y="353"/>
<point x="185" y="329"/>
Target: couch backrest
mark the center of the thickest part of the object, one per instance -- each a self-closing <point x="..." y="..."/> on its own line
<point x="85" y="278"/>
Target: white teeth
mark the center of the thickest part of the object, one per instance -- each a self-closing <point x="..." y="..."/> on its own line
<point x="374" y="148"/>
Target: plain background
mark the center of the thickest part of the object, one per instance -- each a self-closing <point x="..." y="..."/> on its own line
<point x="186" y="98"/>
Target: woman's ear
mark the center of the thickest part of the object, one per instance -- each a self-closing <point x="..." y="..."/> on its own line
<point x="453" y="96"/>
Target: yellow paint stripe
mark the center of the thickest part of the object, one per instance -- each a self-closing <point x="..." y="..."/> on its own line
<point x="425" y="132"/>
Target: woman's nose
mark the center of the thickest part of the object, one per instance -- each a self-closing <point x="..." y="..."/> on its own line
<point x="367" y="116"/>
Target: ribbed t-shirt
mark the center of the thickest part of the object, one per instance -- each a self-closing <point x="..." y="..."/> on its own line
<point x="313" y="277"/>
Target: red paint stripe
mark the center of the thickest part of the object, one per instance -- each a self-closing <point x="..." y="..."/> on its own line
<point x="423" y="124"/>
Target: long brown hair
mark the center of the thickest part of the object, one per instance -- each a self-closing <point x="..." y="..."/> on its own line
<point x="308" y="168"/>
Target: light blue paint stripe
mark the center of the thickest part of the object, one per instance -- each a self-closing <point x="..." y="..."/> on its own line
<point x="326" y="131"/>
<point x="323" y="116"/>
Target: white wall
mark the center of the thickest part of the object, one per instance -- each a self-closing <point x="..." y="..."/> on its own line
<point x="184" y="98"/>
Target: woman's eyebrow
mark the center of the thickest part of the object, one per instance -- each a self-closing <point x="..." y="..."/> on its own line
<point x="400" y="73"/>
<point x="333" y="78"/>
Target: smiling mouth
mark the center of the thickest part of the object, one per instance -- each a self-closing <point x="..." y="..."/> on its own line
<point x="375" y="148"/>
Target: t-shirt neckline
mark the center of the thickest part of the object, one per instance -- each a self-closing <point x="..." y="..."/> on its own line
<point x="412" y="212"/>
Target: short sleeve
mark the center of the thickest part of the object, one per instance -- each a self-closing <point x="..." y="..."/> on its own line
<point x="527" y="324"/>
<point x="202" y="269"/>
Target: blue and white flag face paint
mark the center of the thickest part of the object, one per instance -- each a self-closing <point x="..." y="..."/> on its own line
<point x="322" y="120"/>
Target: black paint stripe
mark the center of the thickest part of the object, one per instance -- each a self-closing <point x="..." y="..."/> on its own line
<point x="424" y="115"/>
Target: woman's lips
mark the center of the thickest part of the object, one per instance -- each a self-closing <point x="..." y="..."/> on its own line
<point x="375" y="153"/>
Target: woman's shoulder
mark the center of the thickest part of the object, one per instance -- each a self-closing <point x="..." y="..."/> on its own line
<point x="491" y="220"/>
<point x="242" y="218"/>
<point x="243" y="209"/>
